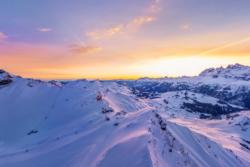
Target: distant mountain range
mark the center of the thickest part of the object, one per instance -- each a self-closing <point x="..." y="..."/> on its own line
<point x="201" y="121"/>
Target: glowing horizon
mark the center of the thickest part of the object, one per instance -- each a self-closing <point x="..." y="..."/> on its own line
<point x="102" y="40"/>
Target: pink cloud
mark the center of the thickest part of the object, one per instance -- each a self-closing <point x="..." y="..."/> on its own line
<point x="134" y="23"/>
<point x="3" y="36"/>
<point x="44" y="29"/>
<point x="84" y="49"/>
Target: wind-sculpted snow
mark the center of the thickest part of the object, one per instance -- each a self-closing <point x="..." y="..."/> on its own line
<point x="123" y="123"/>
<point x="175" y="141"/>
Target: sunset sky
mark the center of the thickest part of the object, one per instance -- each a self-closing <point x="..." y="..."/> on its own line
<point x="107" y="39"/>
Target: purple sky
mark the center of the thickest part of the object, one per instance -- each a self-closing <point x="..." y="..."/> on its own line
<point x="88" y="37"/>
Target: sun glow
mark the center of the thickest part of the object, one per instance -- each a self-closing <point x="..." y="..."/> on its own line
<point x="173" y="67"/>
<point x="154" y="68"/>
<point x="155" y="38"/>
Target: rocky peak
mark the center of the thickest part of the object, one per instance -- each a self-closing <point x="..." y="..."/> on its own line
<point x="5" y="77"/>
<point x="237" y="66"/>
<point x="235" y="71"/>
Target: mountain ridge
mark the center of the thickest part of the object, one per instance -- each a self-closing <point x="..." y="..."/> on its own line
<point x="194" y="121"/>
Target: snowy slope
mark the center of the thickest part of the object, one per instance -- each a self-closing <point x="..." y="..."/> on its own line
<point x="229" y="84"/>
<point x="193" y="104"/>
<point x="109" y="124"/>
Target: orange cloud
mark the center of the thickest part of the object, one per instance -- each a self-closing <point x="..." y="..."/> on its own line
<point x="44" y="29"/>
<point x="84" y="49"/>
<point x="120" y="28"/>
<point x="132" y="24"/>
<point x="139" y="21"/>
<point x="106" y="33"/>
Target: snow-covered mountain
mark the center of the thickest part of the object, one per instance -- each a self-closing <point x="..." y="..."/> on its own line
<point x="198" y="121"/>
<point x="236" y="71"/>
<point x="234" y="89"/>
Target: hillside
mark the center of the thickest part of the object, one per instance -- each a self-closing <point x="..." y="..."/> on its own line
<point x="198" y="121"/>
